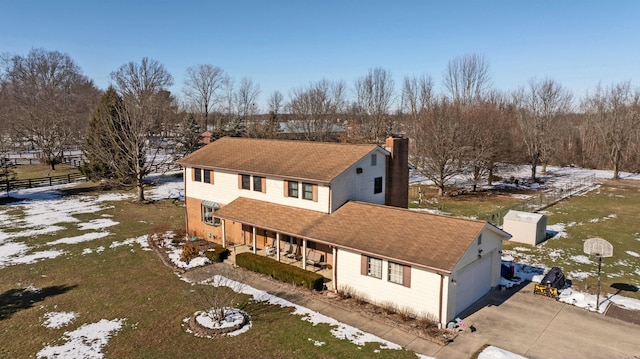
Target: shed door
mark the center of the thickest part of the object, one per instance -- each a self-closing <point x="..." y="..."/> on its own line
<point x="473" y="282"/>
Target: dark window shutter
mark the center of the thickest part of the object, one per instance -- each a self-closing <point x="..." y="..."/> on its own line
<point x="363" y="264"/>
<point x="406" y="276"/>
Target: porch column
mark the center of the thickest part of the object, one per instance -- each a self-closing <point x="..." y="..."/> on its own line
<point x="254" y="234"/>
<point x="334" y="250"/>
<point x="278" y="246"/>
<point x="224" y="233"/>
<point x="304" y="254"/>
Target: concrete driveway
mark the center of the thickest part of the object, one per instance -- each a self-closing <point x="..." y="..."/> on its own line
<point x="538" y="327"/>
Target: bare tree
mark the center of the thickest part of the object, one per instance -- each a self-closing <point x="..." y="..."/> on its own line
<point x="276" y="102"/>
<point x="143" y="90"/>
<point x="201" y="87"/>
<point x="314" y="109"/>
<point x="539" y="107"/>
<point x="467" y="78"/>
<point x="374" y="96"/>
<point x="614" y="115"/>
<point x="437" y="146"/>
<point x="417" y="97"/>
<point x="47" y="97"/>
<point x="246" y="98"/>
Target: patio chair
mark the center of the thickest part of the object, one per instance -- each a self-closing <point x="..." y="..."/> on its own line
<point x="314" y="258"/>
<point x="287" y="249"/>
<point x="294" y="251"/>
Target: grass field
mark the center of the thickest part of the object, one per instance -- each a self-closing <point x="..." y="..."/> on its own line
<point x="103" y="279"/>
<point x="610" y="211"/>
<point x="38" y="171"/>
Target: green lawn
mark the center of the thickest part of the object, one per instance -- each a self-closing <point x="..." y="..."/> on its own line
<point x="611" y="211"/>
<point x="40" y="170"/>
<point x="127" y="282"/>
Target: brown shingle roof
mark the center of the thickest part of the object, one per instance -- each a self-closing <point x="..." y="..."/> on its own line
<point x="318" y="161"/>
<point x="426" y="239"/>
<point x="432" y="241"/>
<point x="275" y="217"/>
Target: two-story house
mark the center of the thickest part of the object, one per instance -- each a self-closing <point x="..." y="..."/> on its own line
<point x="348" y="204"/>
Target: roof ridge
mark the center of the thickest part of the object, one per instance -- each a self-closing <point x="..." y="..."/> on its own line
<point x="422" y="213"/>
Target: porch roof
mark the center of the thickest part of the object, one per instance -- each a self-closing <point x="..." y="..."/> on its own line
<point x="275" y="217"/>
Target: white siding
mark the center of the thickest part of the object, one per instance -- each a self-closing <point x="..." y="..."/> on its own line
<point x="350" y="185"/>
<point x="225" y="190"/>
<point x="422" y="297"/>
<point x="491" y="247"/>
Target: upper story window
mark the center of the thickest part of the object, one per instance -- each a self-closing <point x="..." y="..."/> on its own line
<point x="293" y="189"/>
<point x="374" y="159"/>
<point x="307" y="191"/>
<point x="246" y="182"/>
<point x="377" y="185"/>
<point x="197" y="174"/>
<point x="374" y="267"/>
<point x="257" y="183"/>
<point x="207" y="176"/>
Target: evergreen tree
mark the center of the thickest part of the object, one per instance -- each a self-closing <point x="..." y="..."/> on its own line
<point x="99" y="148"/>
<point x="190" y="137"/>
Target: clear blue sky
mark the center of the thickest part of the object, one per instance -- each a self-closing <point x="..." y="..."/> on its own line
<point x="286" y="44"/>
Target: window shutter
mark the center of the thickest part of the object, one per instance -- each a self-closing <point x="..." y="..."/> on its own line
<point x="193" y="174"/>
<point x="239" y="181"/>
<point x="211" y="176"/>
<point x="315" y="193"/>
<point x="363" y="264"/>
<point x="263" y="181"/>
<point x="406" y="276"/>
<point x="286" y="188"/>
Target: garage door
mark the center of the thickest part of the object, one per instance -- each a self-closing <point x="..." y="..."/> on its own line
<point x="473" y="282"/>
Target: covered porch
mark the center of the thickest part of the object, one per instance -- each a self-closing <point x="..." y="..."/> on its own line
<point x="275" y="231"/>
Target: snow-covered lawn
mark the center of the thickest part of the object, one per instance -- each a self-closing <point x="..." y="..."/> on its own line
<point x="43" y="211"/>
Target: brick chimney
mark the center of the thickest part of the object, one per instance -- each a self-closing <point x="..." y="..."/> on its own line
<point x="397" y="186"/>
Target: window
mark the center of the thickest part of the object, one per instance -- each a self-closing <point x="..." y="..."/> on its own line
<point x="197" y="175"/>
<point x="208" y="208"/>
<point x="377" y="185"/>
<point x="480" y="239"/>
<point x="395" y="273"/>
<point x="257" y="184"/>
<point x="246" y="182"/>
<point x="307" y="191"/>
<point x="374" y="267"/>
<point x="374" y="160"/>
<point x="293" y="189"/>
<point x="207" y="176"/>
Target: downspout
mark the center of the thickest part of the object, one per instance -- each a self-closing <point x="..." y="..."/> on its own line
<point x="440" y="300"/>
<point x="186" y="211"/>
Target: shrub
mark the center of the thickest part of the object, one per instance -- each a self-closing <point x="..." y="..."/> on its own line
<point x="189" y="251"/>
<point x="218" y="255"/>
<point x="280" y="271"/>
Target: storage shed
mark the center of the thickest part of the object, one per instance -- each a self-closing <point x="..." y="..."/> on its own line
<point x="525" y="227"/>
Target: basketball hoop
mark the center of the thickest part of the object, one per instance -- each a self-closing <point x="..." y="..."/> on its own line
<point x="600" y="248"/>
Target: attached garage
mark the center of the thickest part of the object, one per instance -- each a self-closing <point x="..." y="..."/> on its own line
<point x="473" y="282"/>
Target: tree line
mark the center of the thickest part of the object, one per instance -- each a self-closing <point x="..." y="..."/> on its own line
<point x="465" y="128"/>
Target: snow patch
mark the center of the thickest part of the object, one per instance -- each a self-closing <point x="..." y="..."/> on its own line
<point x="85" y="342"/>
<point x="79" y="239"/>
<point x="57" y="320"/>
